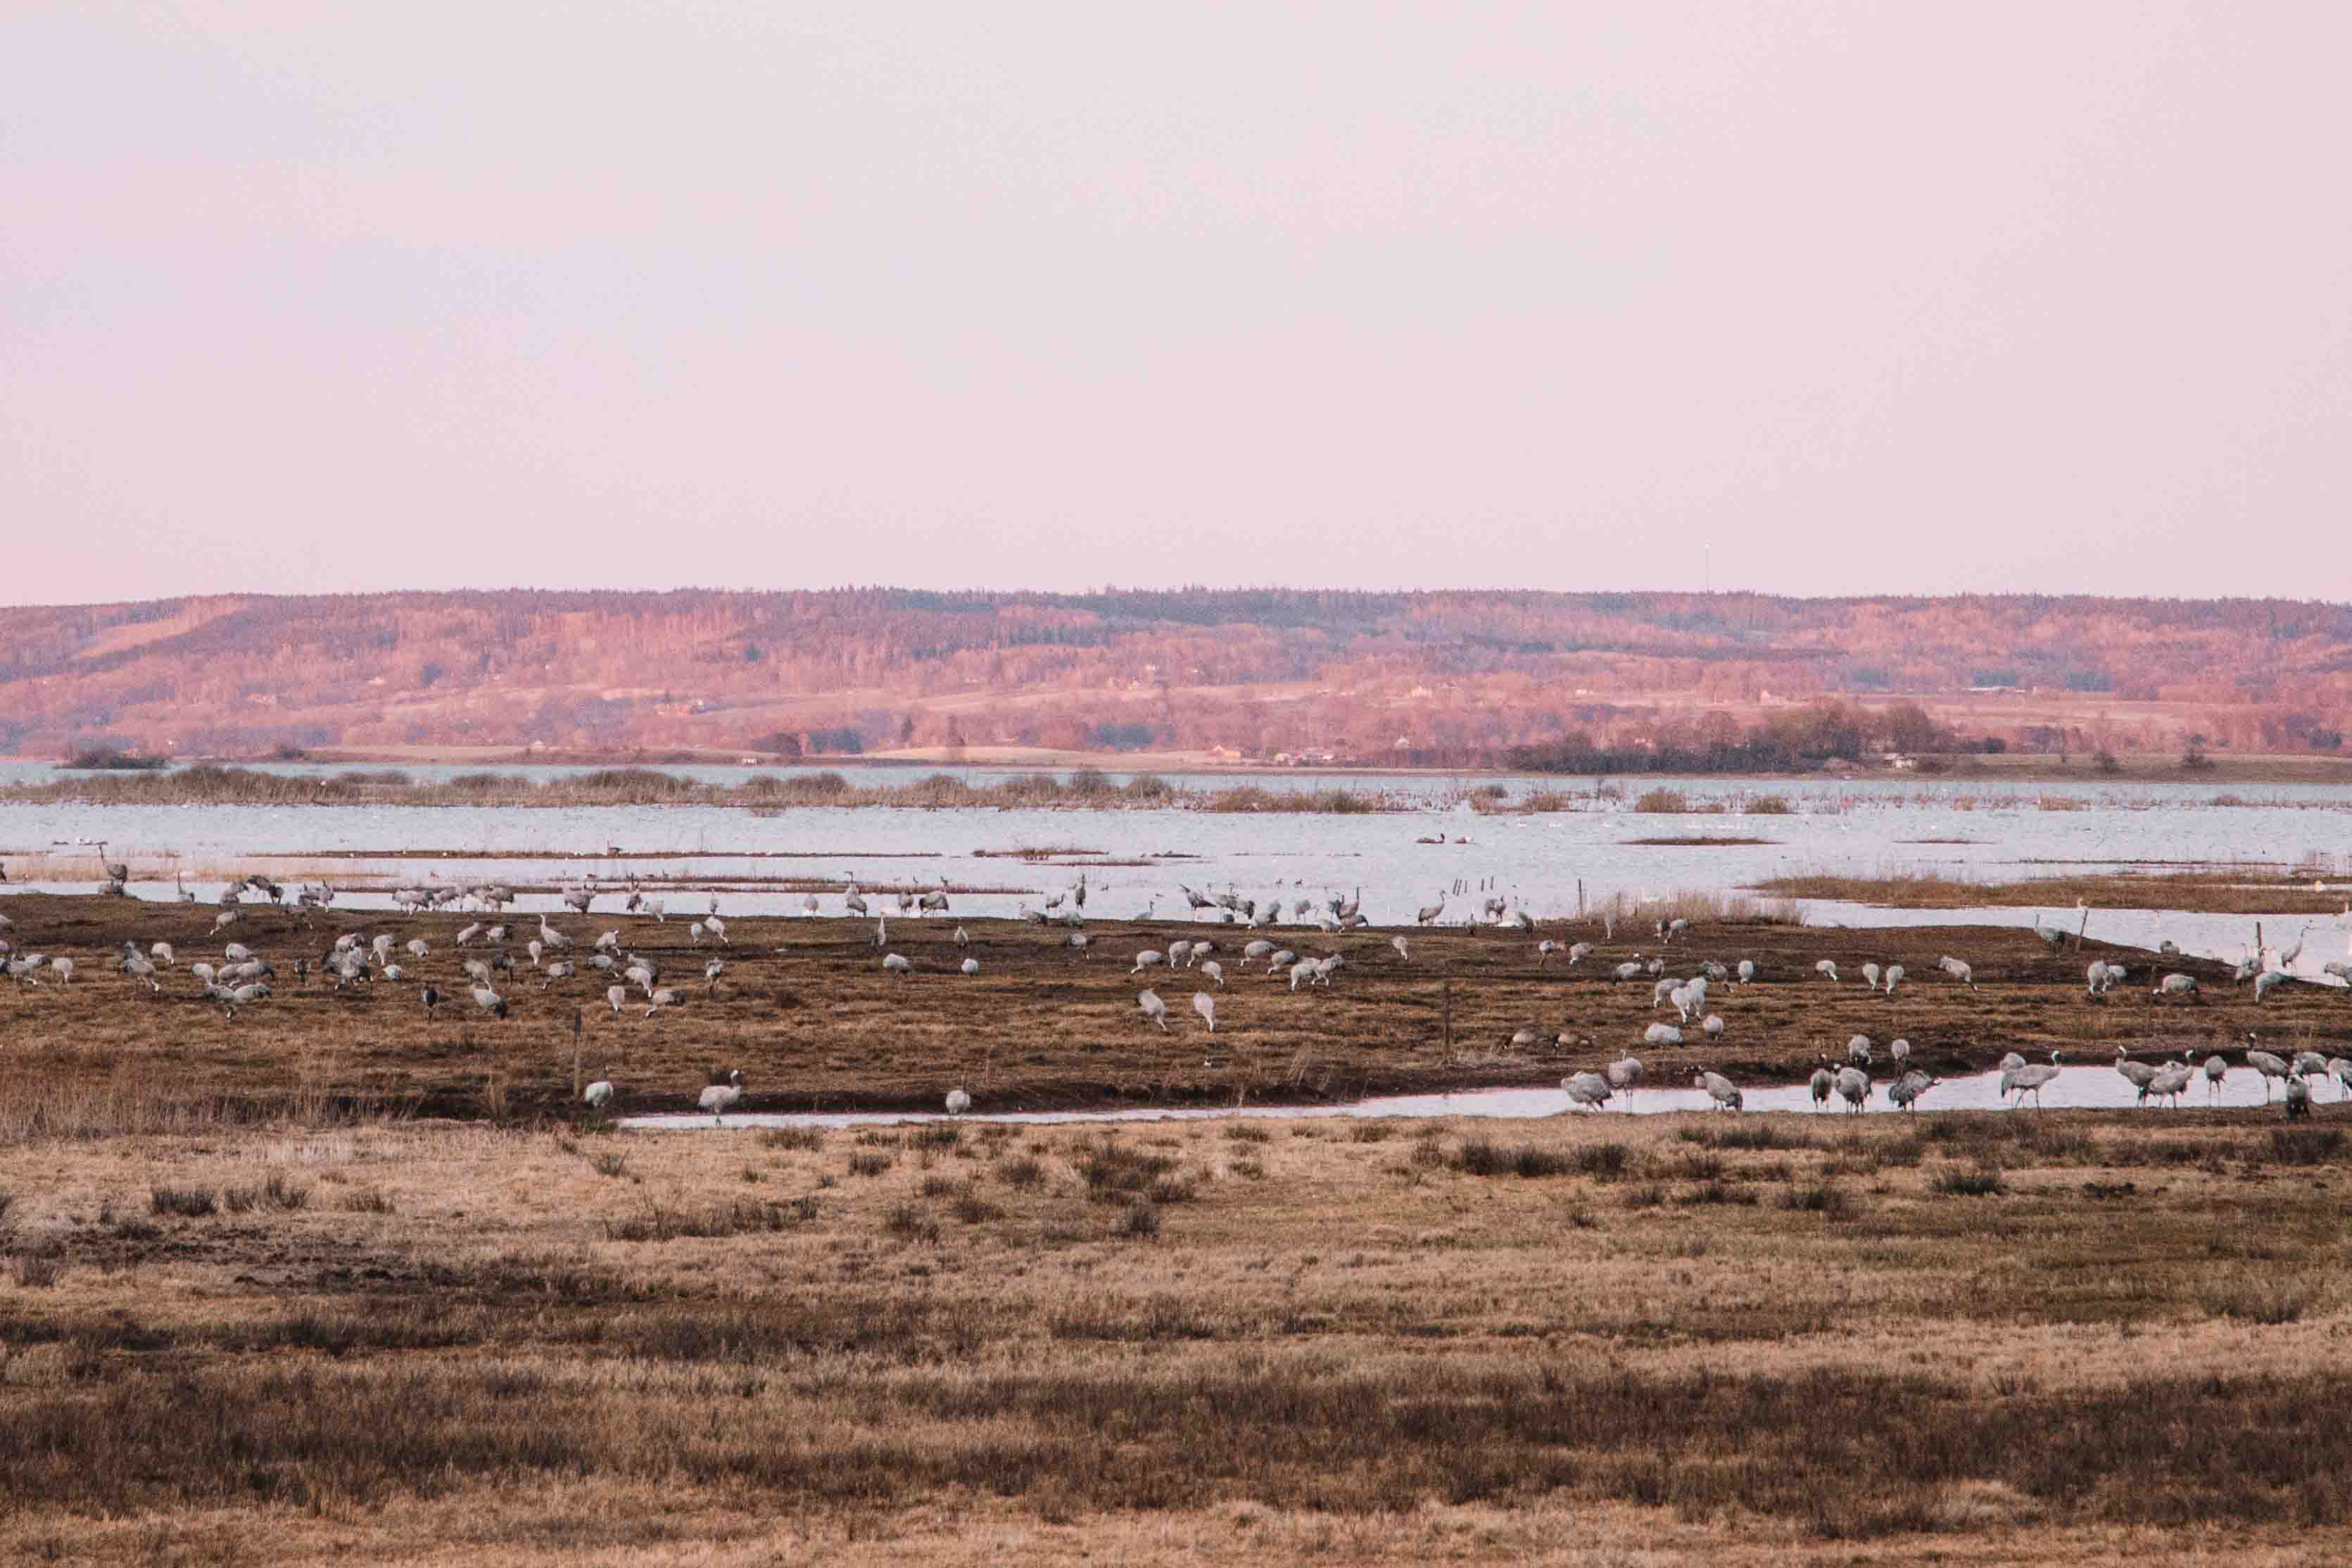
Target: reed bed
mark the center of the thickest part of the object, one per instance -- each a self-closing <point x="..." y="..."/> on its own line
<point x="212" y="784"/>
<point x="1084" y="789"/>
<point x="2213" y="893"/>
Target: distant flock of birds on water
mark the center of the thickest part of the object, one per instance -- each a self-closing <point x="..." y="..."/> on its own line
<point x="242" y="979"/>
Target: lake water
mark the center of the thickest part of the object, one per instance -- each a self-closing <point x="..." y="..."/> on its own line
<point x="1538" y="861"/>
<point x="2080" y="1086"/>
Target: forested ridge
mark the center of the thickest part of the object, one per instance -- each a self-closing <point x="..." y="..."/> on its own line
<point x="1254" y="671"/>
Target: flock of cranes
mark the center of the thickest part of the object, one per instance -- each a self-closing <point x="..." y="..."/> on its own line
<point x="497" y="951"/>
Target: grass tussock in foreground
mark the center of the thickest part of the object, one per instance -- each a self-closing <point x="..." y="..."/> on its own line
<point x="1664" y="1326"/>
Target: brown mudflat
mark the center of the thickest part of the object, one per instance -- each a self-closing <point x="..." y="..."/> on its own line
<point x="807" y="1011"/>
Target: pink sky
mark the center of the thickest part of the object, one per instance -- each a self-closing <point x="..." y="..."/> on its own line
<point x="1858" y="298"/>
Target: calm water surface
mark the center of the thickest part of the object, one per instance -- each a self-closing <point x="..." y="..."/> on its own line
<point x="2080" y="1086"/>
<point x="1863" y="827"/>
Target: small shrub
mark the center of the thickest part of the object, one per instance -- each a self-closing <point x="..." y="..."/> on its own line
<point x="1763" y="1138"/>
<point x="803" y="1138"/>
<point x="1372" y="1132"/>
<point x="1483" y="1157"/>
<point x="1981" y="1183"/>
<point x="37" y="1270"/>
<point x="1171" y="1190"/>
<point x="1663" y="803"/>
<point x="367" y="1200"/>
<point x="869" y="1163"/>
<point x="1768" y="806"/>
<point x="974" y="1209"/>
<point x="241" y="1200"/>
<point x="909" y="1223"/>
<point x="1113" y="1167"/>
<point x="1141" y="1222"/>
<point x="1904" y="1152"/>
<point x="938" y="1187"/>
<point x="189" y="1203"/>
<point x="1602" y="1161"/>
<point x="1248" y="1170"/>
<point x="282" y="1193"/>
<point x="1022" y="1175"/>
<point x="609" y="1165"/>
<point x="1716" y="1192"/>
<point x="936" y="1135"/>
<point x="1820" y="1198"/>
<point x="1248" y="1132"/>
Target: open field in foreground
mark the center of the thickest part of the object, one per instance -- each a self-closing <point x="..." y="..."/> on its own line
<point x="1977" y="1339"/>
<point x="806" y="1010"/>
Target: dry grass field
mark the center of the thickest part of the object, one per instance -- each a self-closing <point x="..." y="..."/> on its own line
<point x="337" y="1281"/>
<point x="806" y="1010"/>
<point x="1975" y="1339"/>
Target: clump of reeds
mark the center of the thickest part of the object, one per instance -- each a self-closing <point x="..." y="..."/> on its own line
<point x="189" y="1203"/>
<point x="1485" y="1157"/>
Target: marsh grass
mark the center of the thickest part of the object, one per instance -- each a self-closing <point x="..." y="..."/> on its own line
<point x="38" y="1270"/>
<point x="1823" y="1198"/>
<point x="2214" y="892"/>
<point x="1484" y="1157"/>
<point x="187" y="1203"/>
<point x="1323" y="1340"/>
<point x="2305" y="1145"/>
<point x="206" y="784"/>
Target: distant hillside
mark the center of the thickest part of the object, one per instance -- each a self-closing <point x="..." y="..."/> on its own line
<point x="1428" y="676"/>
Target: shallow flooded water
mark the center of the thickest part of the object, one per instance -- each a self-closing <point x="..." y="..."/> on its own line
<point x="1134" y="859"/>
<point x="2078" y="1086"/>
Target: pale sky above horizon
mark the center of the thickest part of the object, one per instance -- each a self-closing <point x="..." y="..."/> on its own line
<point x="1848" y="297"/>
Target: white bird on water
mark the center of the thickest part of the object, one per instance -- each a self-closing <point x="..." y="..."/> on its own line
<point x="957" y="1103"/>
<point x="599" y="1094"/>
